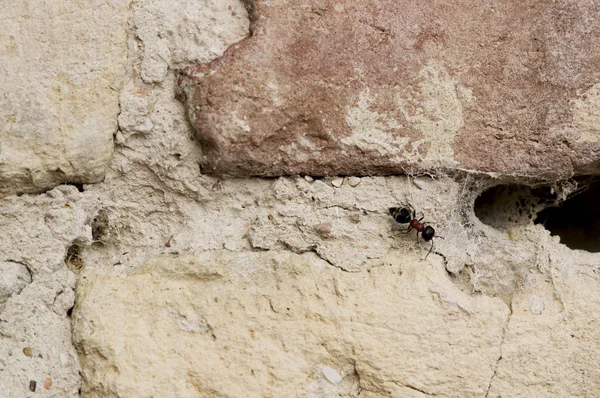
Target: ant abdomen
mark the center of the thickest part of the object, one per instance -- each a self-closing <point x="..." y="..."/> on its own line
<point x="401" y="214"/>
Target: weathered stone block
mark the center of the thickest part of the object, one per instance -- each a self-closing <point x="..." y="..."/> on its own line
<point x="282" y="325"/>
<point x="394" y="86"/>
<point x="62" y="67"/>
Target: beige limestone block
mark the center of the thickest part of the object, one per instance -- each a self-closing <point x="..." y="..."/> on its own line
<point x="552" y="342"/>
<point x="61" y="71"/>
<point x="277" y="324"/>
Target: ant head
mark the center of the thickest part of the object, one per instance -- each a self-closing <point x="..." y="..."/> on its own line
<point x="428" y="233"/>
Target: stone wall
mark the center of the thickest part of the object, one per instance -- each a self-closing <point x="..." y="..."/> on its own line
<point x="194" y="199"/>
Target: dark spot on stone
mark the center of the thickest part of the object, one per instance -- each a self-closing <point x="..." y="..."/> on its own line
<point x="76" y="185"/>
<point x="100" y="229"/>
<point x="73" y="258"/>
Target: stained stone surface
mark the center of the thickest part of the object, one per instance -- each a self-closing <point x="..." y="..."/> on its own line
<point x="61" y="71"/>
<point x="388" y="86"/>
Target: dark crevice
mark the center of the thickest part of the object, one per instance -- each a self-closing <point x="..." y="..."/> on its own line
<point x="568" y="209"/>
<point x="76" y="185"/>
<point x="100" y="227"/>
<point x="509" y="205"/>
<point x="73" y="258"/>
<point x="577" y="220"/>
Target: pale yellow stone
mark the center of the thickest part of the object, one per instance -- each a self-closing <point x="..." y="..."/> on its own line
<point x="265" y="324"/>
<point x="62" y="67"/>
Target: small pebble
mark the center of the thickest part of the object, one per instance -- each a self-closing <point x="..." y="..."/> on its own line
<point x="309" y="178"/>
<point x="32" y="385"/>
<point x="332" y="375"/>
<point x="324" y="229"/>
<point x="28" y="351"/>
<point x="337" y="182"/>
<point x="47" y="383"/>
<point x="353" y="181"/>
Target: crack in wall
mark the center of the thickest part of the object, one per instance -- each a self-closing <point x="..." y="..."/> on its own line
<point x="497" y="364"/>
<point x="411" y="387"/>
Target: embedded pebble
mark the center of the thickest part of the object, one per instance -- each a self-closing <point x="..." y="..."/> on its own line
<point x="337" y="182"/>
<point x="353" y="181"/>
<point x="309" y="178"/>
<point x="354" y="217"/>
<point x="324" y="229"/>
<point x="332" y="375"/>
<point x="28" y="351"/>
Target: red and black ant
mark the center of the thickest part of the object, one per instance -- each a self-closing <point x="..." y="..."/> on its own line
<point x="403" y="215"/>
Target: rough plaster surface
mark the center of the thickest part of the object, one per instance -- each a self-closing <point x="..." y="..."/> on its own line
<point x="61" y="71"/>
<point x="501" y="310"/>
<point x="347" y="87"/>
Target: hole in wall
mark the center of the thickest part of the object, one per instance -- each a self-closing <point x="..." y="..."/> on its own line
<point x="568" y="209"/>
<point x="76" y="185"/>
<point x="577" y="220"/>
<point x="100" y="227"/>
<point x="507" y="206"/>
<point x="73" y="258"/>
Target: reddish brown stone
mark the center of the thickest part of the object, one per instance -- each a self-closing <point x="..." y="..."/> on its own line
<point x="347" y="87"/>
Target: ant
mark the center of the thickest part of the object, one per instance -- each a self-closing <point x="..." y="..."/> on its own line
<point x="403" y="215"/>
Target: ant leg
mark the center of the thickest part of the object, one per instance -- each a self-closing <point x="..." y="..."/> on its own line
<point x="430" y="249"/>
<point x="408" y="230"/>
<point x="414" y="212"/>
<point x="417" y="236"/>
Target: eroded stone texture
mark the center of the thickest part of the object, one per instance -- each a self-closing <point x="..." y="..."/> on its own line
<point x="37" y="291"/>
<point x="276" y="324"/>
<point x="552" y="341"/>
<point x="13" y="278"/>
<point x="62" y="66"/>
<point x="176" y="33"/>
<point x="351" y="87"/>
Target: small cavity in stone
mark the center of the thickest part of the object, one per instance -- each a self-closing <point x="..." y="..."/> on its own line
<point x="509" y="205"/>
<point x="73" y="258"/>
<point x="577" y="219"/>
<point x="568" y="209"/>
<point x="100" y="227"/>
